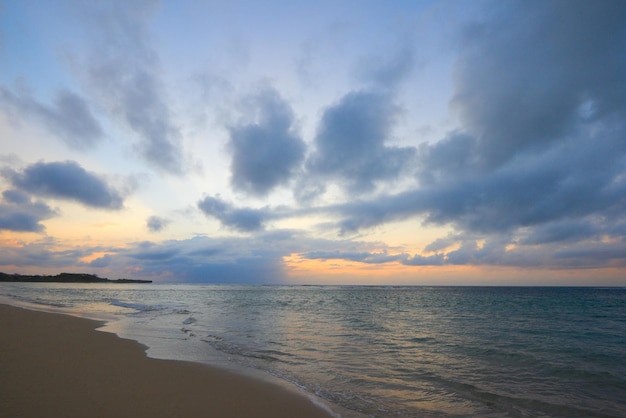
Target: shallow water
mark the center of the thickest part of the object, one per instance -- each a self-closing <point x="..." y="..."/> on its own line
<point x="384" y="351"/>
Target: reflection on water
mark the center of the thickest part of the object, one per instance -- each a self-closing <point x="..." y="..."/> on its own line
<point x="397" y="351"/>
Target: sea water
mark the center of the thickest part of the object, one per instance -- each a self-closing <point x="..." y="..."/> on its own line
<point x="383" y="351"/>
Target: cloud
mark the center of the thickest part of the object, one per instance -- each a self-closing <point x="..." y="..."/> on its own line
<point x="542" y="146"/>
<point x="536" y="168"/>
<point x="69" y="117"/>
<point x="420" y="260"/>
<point x="563" y="231"/>
<point x="257" y="258"/>
<point x="534" y="171"/>
<point x="66" y="180"/>
<point x="539" y="213"/>
<point x="383" y="257"/>
<point x="361" y="257"/>
<point x="42" y="253"/>
<point x="205" y="259"/>
<point x="350" y="143"/>
<point x="122" y="73"/>
<point x="245" y="219"/>
<point x="239" y="219"/>
<point x="590" y="255"/>
<point x="101" y="262"/>
<point x="156" y="223"/>
<point x="530" y="73"/>
<point x="267" y="152"/>
<point x="19" y="213"/>
<point x="494" y="251"/>
<point x="580" y="178"/>
<point x="153" y="252"/>
<point x="442" y="243"/>
<point x="447" y="159"/>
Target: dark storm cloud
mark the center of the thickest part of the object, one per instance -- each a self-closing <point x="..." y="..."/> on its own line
<point x="350" y="143"/>
<point x="240" y="219"/>
<point x="266" y="152"/>
<point x="66" y="180"/>
<point x="69" y="116"/>
<point x="19" y="213"/>
<point x="578" y="178"/>
<point x="156" y="223"/>
<point x="123" y="73"/>
<point x="528" y="76"/>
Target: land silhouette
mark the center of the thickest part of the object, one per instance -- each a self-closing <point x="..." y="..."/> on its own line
<point x="64" y="278"/>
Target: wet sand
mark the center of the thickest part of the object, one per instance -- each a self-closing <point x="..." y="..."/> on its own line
<point x="60" y="366"/>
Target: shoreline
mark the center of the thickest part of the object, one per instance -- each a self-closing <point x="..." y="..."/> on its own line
<point x="60" y="365"/>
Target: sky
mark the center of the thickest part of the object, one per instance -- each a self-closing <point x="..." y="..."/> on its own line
<point x="328" y="142"/>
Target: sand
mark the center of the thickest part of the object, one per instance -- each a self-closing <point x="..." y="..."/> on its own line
<point x="55" y="365"/>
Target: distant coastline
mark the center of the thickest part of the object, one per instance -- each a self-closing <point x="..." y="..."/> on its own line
<point x="64" y="278"/>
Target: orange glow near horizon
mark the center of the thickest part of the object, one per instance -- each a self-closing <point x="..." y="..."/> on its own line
<point x="303" y="270"/>
<point x="306" y="271"/>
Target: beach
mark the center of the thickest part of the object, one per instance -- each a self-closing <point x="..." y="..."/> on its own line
<point x="60" y="366"/>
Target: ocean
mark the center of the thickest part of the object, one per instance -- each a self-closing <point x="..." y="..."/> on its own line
<point x="382" y="351"/>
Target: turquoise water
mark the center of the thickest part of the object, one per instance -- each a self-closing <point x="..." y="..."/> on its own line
<point x="384" y="351"/>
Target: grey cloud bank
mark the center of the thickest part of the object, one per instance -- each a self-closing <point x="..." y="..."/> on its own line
<point x="530" y="76"/>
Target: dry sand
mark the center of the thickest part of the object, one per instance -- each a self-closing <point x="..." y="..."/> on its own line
<point x="58" y="366"/>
